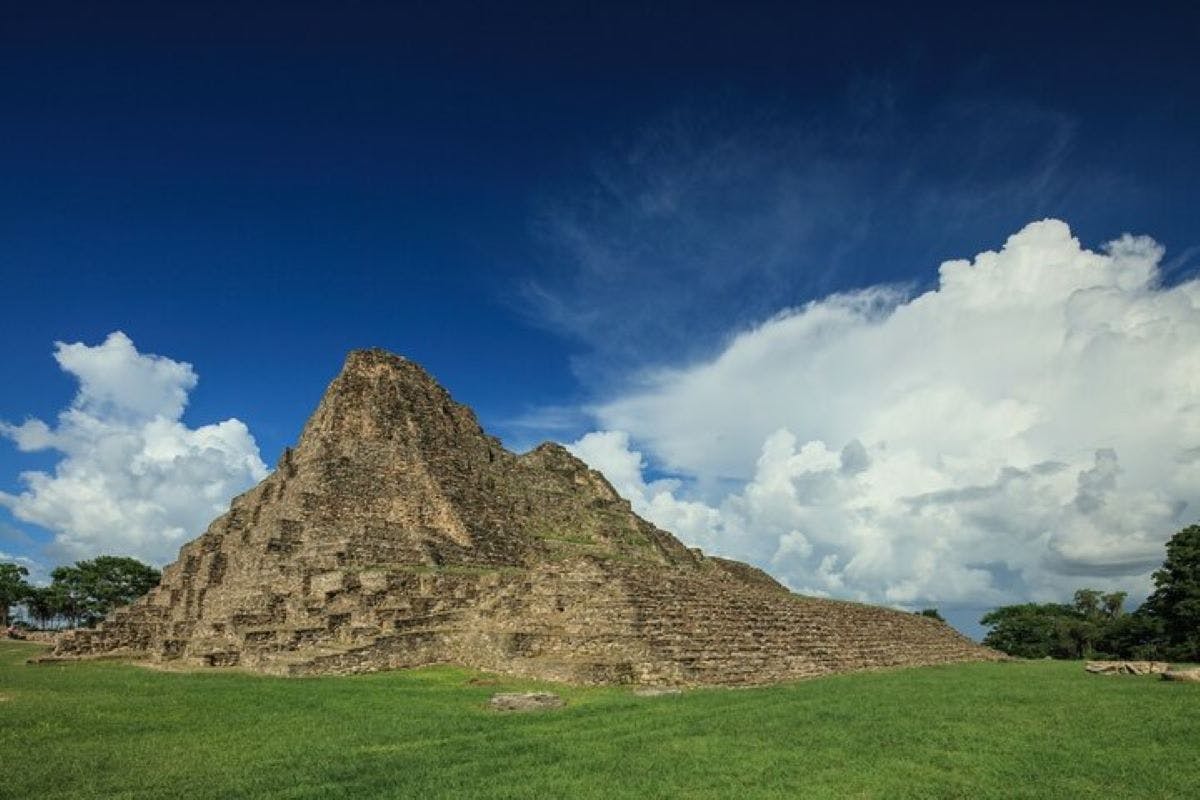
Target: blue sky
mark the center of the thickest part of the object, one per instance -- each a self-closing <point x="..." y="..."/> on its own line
<point x="560" y="209"/>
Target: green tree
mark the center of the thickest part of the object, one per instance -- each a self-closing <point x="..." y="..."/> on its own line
<point x="1033" y="630"/>
<point x="1088" y="629"/>
<point x="932" y="613"/>
<point x="44" y="604"/>
<point x="90" y="589"/>
<point x="70" y="595"/>
<point x="1093" y="625"/>
<point x="116" y="581"/>
<point x="13" y="589"/>
<point x="1175" y="601"/>
<point x="1138" y="635"/>
<point x="1087" y="603"/>
<point x="1114" y="603"/>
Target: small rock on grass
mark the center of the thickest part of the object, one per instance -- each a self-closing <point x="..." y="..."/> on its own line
<point x="655" y="691"/>
<point x="525" y="701"/>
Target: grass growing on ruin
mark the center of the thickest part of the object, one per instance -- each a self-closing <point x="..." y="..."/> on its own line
<point x="1039" y="729"/>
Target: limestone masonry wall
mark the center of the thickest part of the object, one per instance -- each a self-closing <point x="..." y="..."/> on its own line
<point x="397" y="533"/>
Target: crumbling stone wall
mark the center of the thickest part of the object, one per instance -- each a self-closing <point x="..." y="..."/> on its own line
<point x="397" y="533"/>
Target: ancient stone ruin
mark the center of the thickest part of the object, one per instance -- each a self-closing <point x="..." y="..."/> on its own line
<point x="525" y="701"/>
<point x="397" y="534"/>
<point x="1126" y="667"/>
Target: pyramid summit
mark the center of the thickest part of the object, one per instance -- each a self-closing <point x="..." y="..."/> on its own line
<point x="397" y="533"/>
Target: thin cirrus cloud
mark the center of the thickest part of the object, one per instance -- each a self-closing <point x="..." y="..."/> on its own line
<point x="1028" y="426"/>
<point x="706" y="223"/>
<point x="132" y="478"/>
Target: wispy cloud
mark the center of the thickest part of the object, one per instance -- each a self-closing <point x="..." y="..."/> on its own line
<point x="708" y="222"/>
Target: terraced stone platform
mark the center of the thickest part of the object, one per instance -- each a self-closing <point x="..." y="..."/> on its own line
<point x="397" y="534"/>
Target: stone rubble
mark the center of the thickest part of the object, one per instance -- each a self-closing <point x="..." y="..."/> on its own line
<point x="1126" y="667"/>
<point x="397" y="533"/>
<point x="525" y="701"/>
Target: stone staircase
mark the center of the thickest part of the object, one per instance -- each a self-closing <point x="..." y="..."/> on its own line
<point x="397" y="533"/>
<point x="705" y="630"/>
<point x="582" y="621"/>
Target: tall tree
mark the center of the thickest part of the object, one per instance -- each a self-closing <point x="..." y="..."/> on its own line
<point x="1033" y="630"/>
<point x="1114" y="603"/>
<point x="1087" y="602"/>
<point x="115" y="581"/>
<point x="70" y="594"/>
<point x="13" y="588"/>
<point x="90" y="589"/>
<point x="1176" y="598"/>
<point x="43" y="603"/>
<point x="1138" y="635"/>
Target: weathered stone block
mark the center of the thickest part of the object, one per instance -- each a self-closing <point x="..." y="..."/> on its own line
<point x="526" y="701"/>
<point x="397" y="533"/>
<point x="1126" y="667"/>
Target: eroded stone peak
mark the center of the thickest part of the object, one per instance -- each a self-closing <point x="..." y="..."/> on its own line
<point x="555" y="456"/>
<point x="553" y="450"/>
<point x="381" y="395"/>
<point x="376" y="361"/>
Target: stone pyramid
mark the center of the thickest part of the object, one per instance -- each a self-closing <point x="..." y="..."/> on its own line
<point x="397" y="533"/>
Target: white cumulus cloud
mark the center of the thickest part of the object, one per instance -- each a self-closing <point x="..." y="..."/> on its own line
<point x="133" y="479"/>
<point x="1030" y="426"/>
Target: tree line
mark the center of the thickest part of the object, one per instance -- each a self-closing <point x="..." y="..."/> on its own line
<point x="79" y="594"/>
<point x="1096" y="625"/>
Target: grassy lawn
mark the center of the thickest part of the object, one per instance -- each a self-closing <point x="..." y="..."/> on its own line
<point x="1038" y="729"/>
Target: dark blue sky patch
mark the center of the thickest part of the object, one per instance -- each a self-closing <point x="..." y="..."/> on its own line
<point x="542" y="202"/>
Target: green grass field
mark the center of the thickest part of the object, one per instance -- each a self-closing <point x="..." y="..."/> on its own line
<point x="1037" y="729"/>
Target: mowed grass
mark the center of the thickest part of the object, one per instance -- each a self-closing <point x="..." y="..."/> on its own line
<point x="1036" y="729"/>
